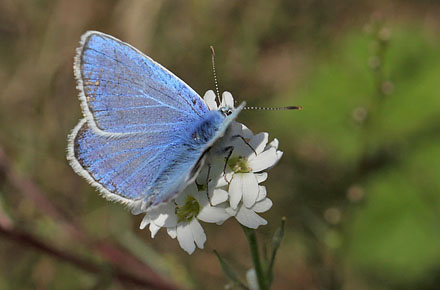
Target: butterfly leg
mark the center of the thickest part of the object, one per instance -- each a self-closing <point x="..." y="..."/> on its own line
<point x="207" y="183"/>
<point x="228" y="149"/>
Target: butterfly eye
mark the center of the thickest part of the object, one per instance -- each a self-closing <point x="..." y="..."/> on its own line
<point x="226" y="111"/>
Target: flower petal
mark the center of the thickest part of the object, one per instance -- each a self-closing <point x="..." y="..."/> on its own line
<point x="202" y="198"/>
<point x="249" y="218"/>
<point x="262" y="206"/>
<point x="249" y="146"/>
<point x="164" y="215"/>
<point x="236" y="190"/>
<point x="172" y="232"/>
<point x="220" y="181"/>
<point x="227" y="100"/>
<point x="279" y="155"/>
<point x="218" y="196"/>
<point x="240" y="147"/>
<point x="246" y="132"/>
<point x="208" y="213"/>
<point x="154" y="229"/>
<point x="235" y="128"/>
<point x="273" y="144"/>
<point x="212" y="214"/>
<point x="203" y="174"/>
<point x="209" y="99"/>
<point x="145" y="221"/>
<point x="198" y="233"/>
<point x="258" y="142"/>
<point x="191" y="189"/>
<point x="185" y="238"/>
<point x="231" y="211"/>
<point x="264" y="160"/>
<point x="250" y="189"/>
<point x="261" y="177"/>
<point x="262" y="193"/>
<point x="138" y="208"/>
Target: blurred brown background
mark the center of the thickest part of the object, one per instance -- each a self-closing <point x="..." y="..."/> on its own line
<point x="359" y="181"/>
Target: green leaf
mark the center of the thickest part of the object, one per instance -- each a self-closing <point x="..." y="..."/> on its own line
<point x="229" y="272"/>
<point x="276" y="243"/>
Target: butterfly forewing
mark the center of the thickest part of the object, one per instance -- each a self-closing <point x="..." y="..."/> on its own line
<point x="124" y="91"/>
<point x="126" y="165"/>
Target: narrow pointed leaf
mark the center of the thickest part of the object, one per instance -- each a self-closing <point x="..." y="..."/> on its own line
<point x="229" y="272"/>
<point x="276" y="242"/>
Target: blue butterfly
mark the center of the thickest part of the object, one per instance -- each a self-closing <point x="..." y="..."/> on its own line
<point x="145" y="133"/>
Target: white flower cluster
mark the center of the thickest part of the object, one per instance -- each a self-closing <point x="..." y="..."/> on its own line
<point x="235" y="192"/>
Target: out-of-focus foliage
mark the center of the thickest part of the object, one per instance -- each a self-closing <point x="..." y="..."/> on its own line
<point x="359" y="181"/>
<point x="395" y="228"/>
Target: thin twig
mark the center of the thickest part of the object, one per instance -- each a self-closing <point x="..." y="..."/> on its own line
<point x="31" y="241"/>
<point x="116" y="256"/>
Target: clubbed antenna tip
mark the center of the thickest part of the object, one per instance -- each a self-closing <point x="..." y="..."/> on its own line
<point x="294" y="108"/>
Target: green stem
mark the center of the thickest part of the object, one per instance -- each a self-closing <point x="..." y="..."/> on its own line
<point x="253" y="245"/>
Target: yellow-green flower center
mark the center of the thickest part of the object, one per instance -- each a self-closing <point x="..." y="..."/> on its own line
<point x="189" y="210"/>
<point x="238" y="164"/>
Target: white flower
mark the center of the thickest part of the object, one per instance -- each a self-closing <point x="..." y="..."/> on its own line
<point x="220" y="195"/>
<point x="181" y="218"/>
<point x="227" y="100"/>
<point x="247" y="216"/>
<point x="250" y="157"/>
<point x="251" y="278"/>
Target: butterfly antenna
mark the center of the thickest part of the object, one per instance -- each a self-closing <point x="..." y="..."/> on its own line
<point x="215" y="75"/>
<point x="275" y="109"/>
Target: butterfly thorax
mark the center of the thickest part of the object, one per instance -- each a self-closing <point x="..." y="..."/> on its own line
<point x="202" y="136"/>
<point x="205" y="130"/>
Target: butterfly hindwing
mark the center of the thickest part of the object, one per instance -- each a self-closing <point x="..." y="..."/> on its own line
<point x="125" y="165"/>
<point x="144" y="167"/>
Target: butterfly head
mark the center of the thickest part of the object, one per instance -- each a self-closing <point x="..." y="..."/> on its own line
<point x="226" y="110"/>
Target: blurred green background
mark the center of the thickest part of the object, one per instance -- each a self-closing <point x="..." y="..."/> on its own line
<point x="359" y="181"/>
